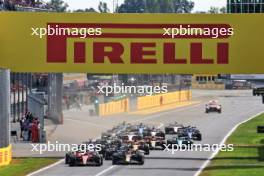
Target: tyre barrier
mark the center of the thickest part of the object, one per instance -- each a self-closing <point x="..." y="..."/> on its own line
<point x="5" y="155"/>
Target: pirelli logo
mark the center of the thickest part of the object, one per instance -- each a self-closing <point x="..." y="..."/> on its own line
<point x="141" y="52"/>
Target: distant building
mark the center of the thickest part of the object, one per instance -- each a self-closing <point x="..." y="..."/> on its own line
<point x="245" y="6"/>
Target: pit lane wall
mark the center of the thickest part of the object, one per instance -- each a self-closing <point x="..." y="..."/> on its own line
<point x="5" y="156"/>
<point x="163" y="99"/>
<point x="114" y="107"/>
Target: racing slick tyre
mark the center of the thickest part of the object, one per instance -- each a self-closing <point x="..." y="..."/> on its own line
<point x="72" y="162"/>
<point x="101" y="162"/>
<point x="67" y="159"/>
<point x="141" y="162"/>
<point x="114" y="162"/>
<point x="199" y="137"/>
<point x="147" y="152"/>
<point x="167" y="131"/>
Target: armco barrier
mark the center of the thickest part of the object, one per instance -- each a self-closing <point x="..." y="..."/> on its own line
<point x="114" y="107"/>
<point x="5" y="155"/>
<point x="162" y="99"/>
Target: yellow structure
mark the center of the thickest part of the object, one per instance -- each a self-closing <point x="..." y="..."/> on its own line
<point x="114" y="107"/>
<point x="5" y="155"/>
<point x="163" y="99"/>
<point x="207" y="81"/>
<point x="229" y="54"/>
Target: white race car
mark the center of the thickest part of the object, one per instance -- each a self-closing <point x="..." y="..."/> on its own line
<point x="213" y="106"/>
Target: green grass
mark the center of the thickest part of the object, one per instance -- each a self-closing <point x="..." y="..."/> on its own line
<point x="243" y="161"/>
<point x="24" y="166"/>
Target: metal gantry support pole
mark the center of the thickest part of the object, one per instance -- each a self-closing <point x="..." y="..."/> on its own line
<point x="14" y="97"/>
<point x="18" y="96"/>
<point x="55" y="93"/>
<point x="4" y="108"/>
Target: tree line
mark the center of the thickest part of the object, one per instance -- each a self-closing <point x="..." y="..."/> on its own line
<point x="129" y="6"/>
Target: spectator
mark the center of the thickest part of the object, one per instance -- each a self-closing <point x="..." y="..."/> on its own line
<point x="35" y="131"/>
<point x="22" y="126"/>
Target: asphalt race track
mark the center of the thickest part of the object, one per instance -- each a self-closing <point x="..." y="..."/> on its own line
<point x="237" y="107"/>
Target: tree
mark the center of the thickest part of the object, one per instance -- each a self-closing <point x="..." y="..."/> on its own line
<point x="213" y="10"/>
<point x="132" y="6"/>
<point x="156" y="6"/>
<point x="7" y="5"/>
<point x="183" y="6"/>
<point x="223" y="10"/>
<point x="102" y="7"/>
<point x="216" y="10"/>
<point x="85" y="10"/>
<point x="58" y="5"/>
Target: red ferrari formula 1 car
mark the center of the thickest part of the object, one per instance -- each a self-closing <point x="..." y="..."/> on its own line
<point x="89" y="158"/>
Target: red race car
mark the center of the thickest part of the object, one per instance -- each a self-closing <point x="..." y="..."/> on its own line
<point x="88" y="158"/>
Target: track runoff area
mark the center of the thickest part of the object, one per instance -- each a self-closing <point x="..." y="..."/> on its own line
<point x="144" y="154"/>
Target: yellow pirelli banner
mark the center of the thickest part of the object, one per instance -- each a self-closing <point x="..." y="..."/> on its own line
<point x="132" y="43"/>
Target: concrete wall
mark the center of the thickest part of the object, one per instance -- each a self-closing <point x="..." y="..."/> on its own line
<point x="163" y="99"/>
<point x="209" y="86"/>
<point x="114" y="107"/>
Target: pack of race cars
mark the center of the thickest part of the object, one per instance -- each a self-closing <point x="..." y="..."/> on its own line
<point x="128" y="144"/>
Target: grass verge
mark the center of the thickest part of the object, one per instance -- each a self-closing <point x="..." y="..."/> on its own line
<point x="247" y="157"/>
<point x="24" y="166"/>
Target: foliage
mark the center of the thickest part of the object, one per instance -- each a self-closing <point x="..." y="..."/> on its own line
<point x="58" y="5"/>
<point x="102" y="7"/>
<point x="156" y="6"/>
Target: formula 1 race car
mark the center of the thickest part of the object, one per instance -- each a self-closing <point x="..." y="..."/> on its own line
<point x="213" y="106"/>
<point x="155" y="143"/>
<point x="89" y="158"/>
<point x="109" y="151"/>
<point x="154" y="132"/>
<point x="173" y="128"/>
<point x="127" y="156"/>
<point x="135" y="142"/>
<point x="180" y="142"/>
<point x="141" y="146"/>
<point x="190" y="132"/>
<point x="257" y="91"/>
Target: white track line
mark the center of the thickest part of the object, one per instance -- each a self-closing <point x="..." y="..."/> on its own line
<point x="46" y="168"/>
<point x="222" y="142"/>
<point x="161" y="125"/>
<point x="106" y="170"/>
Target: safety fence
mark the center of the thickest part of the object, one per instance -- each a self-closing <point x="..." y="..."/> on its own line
<point x="163" y="99"/>
<point x="5" y="155"/>
<point x="114" y="107"/>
